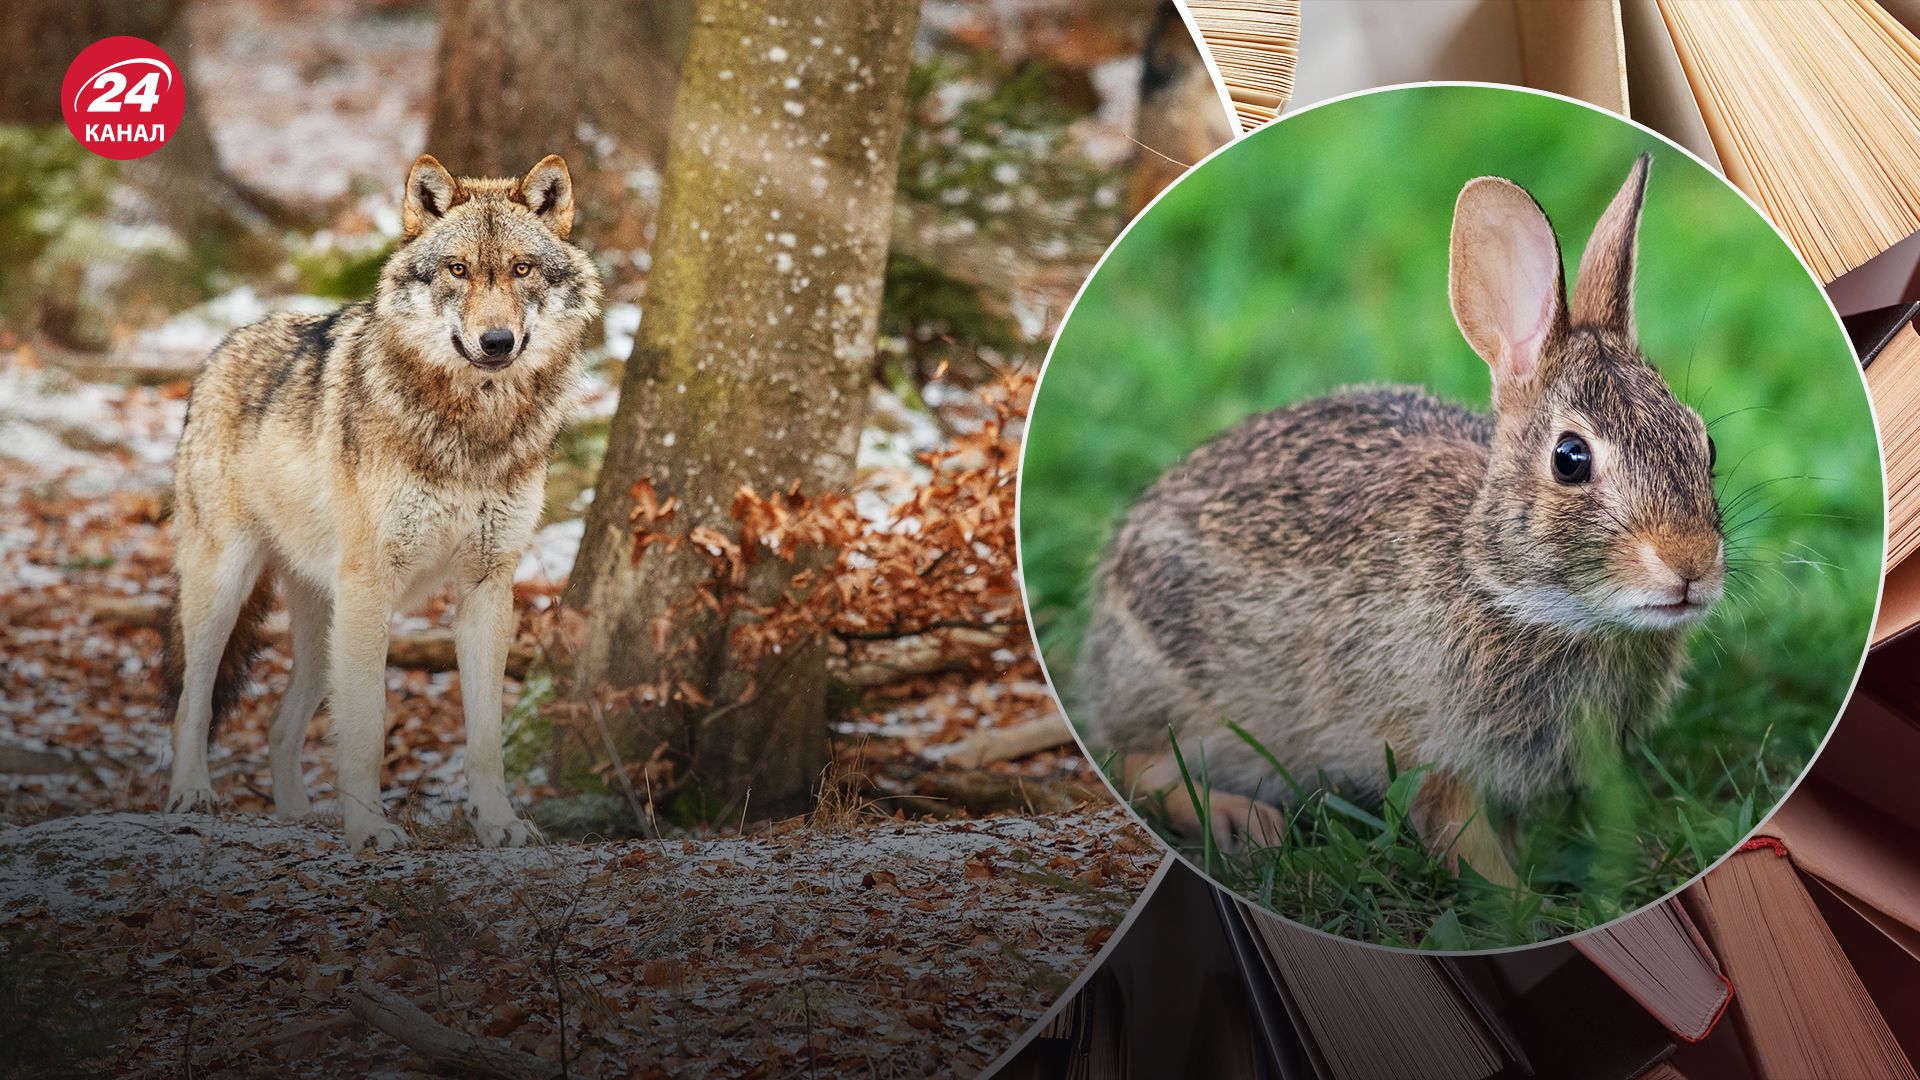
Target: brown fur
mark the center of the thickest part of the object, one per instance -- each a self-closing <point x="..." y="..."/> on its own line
<point x="365" y="457"/>
<point x="1382" y="569"/>
<point x="236" y="659"/>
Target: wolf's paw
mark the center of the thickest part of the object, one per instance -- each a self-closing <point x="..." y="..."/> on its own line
<point x="507" y="832"/>
<point x="377" y="833"/>
<point x="191" y="800"/>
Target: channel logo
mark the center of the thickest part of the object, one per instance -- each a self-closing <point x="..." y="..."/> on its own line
<point x="123" y="97"/>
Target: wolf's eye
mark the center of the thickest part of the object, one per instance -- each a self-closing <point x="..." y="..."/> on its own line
<point x="457" y="269"/>
<point x="1572" y="460"/>
<point x="522" y="269"/>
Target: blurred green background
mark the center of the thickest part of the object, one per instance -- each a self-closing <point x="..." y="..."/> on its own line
<point x="1313" y="255"/>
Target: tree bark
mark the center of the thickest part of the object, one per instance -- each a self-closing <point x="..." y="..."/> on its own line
<point x="750" y="370"/>
<point x="40" y="38"/>
<point x="521" y="79"/>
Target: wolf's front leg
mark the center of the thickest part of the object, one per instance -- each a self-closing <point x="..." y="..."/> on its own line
<point x="482" y="631"/>
<point x="357" y="670"/>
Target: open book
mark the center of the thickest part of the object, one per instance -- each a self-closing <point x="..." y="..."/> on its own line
<point x="1363" y="1012"/>
<point x="1809" y="106"/>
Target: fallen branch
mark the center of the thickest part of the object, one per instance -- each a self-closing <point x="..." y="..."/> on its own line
<point x="432" y="650"/>
<point x="19" y="759"/>
<point x="1004" y="744"/>
<point x="445" y="1047"/>
<point x="943" y="794"/>
<point x="118" y="370"/>
<point x="144" y="609"/>
<point x="424" y="650"/>
<point x="890" y="661"/>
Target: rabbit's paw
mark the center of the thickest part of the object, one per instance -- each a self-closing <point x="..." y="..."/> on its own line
<point x="1237" y="822"/>
<point x="1482" y="851"/>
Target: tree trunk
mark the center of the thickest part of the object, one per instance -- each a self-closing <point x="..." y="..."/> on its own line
<point x="184" y="185"/>
<point x="40" y="38"/>
<point x="750" y="370"/>
<point x="180" y="186"/>
<point x="521" y="79"/>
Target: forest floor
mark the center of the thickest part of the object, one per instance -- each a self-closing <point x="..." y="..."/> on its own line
<point x="846" y="939"/>
<point x="884" y="948"/>
<point x="916" y="925"/>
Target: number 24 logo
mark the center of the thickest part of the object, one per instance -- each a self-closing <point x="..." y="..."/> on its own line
<point x="114" y="93"/>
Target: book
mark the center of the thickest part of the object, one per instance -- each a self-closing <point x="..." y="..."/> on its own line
<point x="1659" y="958"/>
<point x="1892" y="356"/>
<point x="1168" y="1000"/>
<point x="1605" y="1007"/>
<point x="1569" y="48"/>
<point x="1801" y="1009"/>
<point x="1811" y="107"/>
<point x="1853" y="825"/>
<point x="1254" y="44"/>
<point x="1851" y="830"/>
<point x="1574" y="1018"/>
<point x="1813" y="110"/>
<point x="1367" y="1012"/>
<point x="1211" y="987"/>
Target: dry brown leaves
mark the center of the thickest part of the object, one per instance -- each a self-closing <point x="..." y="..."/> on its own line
<point x="943" y="560"/>
<point x="888" y="949"/>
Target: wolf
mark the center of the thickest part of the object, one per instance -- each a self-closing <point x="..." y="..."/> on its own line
<point x="365" y="458"/>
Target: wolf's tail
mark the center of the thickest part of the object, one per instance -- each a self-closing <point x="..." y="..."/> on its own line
<point x="236" y="660"/>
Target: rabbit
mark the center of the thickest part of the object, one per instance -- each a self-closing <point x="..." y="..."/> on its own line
<point x="1379" y="568"/>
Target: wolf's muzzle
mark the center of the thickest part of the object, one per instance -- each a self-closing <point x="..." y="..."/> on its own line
<point x="496" y="342"/>
<point x="494" y="359"/>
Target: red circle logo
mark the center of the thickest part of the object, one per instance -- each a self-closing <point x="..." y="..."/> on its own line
<point x="123" y="97"/>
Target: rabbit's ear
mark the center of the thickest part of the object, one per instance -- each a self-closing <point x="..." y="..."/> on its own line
<point x="1504" y="281"/>
<point x="1603" y="293"/>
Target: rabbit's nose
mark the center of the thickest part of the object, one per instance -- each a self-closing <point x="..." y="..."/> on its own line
<point x="1690" y="556"/>
<point x="1698" y="561"/>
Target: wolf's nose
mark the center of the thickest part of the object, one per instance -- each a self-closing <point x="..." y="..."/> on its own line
<point x="496" y="342"/>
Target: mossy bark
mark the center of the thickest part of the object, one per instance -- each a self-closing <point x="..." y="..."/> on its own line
<point x="520" y="79"/>
<point x="750" y="369"/>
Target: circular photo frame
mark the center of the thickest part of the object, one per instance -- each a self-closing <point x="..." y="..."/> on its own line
<point x="1452" y="517"/>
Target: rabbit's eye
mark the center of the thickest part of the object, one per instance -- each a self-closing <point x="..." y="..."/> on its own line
<point x="1713" y="453"/>
<point x="1572" y="460"/>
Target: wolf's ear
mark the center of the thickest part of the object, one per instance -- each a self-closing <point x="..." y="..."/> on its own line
<point x="1504" y="280"/>
<point x="547" y="189"/>
<point x="1603" y="293"/>
<point x="431" y="192"/>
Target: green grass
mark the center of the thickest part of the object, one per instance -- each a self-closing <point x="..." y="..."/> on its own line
<point x="1313" y="256"/>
